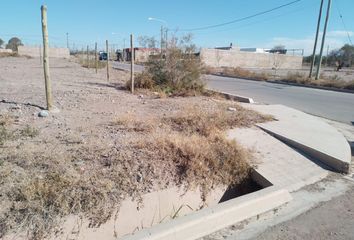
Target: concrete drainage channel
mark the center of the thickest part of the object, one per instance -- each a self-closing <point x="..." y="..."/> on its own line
<point x="227" y="212"/>
<point x="177" y="214"/>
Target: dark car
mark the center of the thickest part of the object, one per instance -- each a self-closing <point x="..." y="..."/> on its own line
<point x="103" y="56"/>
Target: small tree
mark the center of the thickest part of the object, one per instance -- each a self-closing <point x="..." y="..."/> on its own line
<point x="344" y="55"/>
<point x="1" y="42"/>
<point x="178" y="72"/>
<point x="14" y="43"/>
<point x="147" y="42"/>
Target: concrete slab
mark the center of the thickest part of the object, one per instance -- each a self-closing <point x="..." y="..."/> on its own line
<point x="277" y="162"/>
<point x="308" y="134"/>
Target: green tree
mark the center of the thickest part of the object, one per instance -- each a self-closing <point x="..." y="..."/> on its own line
<point x="14" y="43"/>
<point x="344" y="55"/>
<point x="347" y="52"/>
<point x="1" y="42"/>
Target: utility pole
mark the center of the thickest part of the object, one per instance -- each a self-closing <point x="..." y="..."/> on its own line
<point x="323" y="39"/>
<point x="67" y="40"/>
<point x="96" y="56"/>
<point x="132" y="62"/>
<point x="87" y="57"/>
<point x="161" y="41"/>
<point x="316" y="38"/>
<point x="48" y="87"/>
<point x="107" y="60"/>
<point x="166" y="39"/>
<point x="327" y="55"/>
<point x="123" y="52"/>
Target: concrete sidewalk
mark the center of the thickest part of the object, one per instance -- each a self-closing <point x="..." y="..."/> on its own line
<point x="308" y="134"/>
<point x="277" y="162"/>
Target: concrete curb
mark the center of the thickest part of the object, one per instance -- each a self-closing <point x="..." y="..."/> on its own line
<point x="237" y="98"/>
<point x="287" y="83"/>
<point x="211" y="219"/>
<point x="336" y="164"/>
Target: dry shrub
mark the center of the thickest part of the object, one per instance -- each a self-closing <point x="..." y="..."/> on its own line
<point x="92" y="63"/>
<point x="325" y="81"/>
<point x="204" y="161"/>
<point x="39" y="189"/>
<point x="5" y="134"/>
<point x="142" y="80"/>
<point x="29" y="131"/>
<point x="179" y="73"/>
<point x="204" y="122"/>
<point x="130" y="122"/>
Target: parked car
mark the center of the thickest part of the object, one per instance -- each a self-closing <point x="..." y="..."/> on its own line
<point x="102" y="56"/>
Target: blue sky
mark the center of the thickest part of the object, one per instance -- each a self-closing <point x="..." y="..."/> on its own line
<point x="88" y="21"/>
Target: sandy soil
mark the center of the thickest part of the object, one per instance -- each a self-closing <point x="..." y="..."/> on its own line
<point x="83" y="145"/>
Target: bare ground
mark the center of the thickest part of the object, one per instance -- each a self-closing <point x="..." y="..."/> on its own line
<point x="105" y="144"/>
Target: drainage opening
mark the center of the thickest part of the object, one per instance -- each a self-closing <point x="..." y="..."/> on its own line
<point x="252" y="184"/>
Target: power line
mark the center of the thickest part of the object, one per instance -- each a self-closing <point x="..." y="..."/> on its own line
<point x="345" y="27"/>
<point x="241" y="19"/>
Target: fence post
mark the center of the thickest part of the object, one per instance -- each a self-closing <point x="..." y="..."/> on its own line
<point x="96" y="56"/>
<point x="48" y="88"/>
<point x="87" y="57"/>
<point x="107" y="60"/>
<point x="132" y="61"/>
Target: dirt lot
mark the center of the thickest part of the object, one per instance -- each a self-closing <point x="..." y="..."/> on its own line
<point x="104" y="144"/>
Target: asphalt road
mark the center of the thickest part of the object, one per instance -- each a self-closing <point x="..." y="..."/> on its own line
<point x="126" y="66"/>
<point x="332" y="105"/>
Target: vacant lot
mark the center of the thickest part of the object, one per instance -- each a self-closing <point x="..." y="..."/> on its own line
<point x="104" y="144"/>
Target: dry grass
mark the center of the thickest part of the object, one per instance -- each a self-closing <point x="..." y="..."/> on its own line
<point x="130" y="122"/>
<point x="333" y="82"/>
<point x="188" y="148"/>
<point x="237" y="72"/>
<point x="92" y="64"/>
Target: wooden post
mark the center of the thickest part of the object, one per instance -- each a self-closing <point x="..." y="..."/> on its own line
<point x="107" y="60"/>
<point x="96" y="56"/>
<point x="48" y="88"/>
<point x="87" y="57"/>
<point x="132" y="61"/>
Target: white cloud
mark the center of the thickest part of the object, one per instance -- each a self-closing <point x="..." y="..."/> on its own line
<point x="340" y="34"/>
<point x="334" y="39"/>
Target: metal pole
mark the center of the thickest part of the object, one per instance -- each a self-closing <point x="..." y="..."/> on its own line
<point x="67" y="40"/>
<point x="87" y="57"/>
<point x="48" y="88"/>
<point x="107" y="60"/>
<point x="323" y="40"/>
<point x="316" y="39"/>
<point x="166" y="40"/>
<point x="96" y="63"/>
<point x="161" y="41"/>
<point x="132" y="62"/>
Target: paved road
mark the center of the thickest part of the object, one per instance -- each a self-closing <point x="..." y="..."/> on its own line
<point x="126" y="66"/>
<point x="328" y="104"/>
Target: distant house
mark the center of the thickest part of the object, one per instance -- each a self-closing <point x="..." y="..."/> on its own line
<point x="140" y="54"/>
<point x="255" y="50"/>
